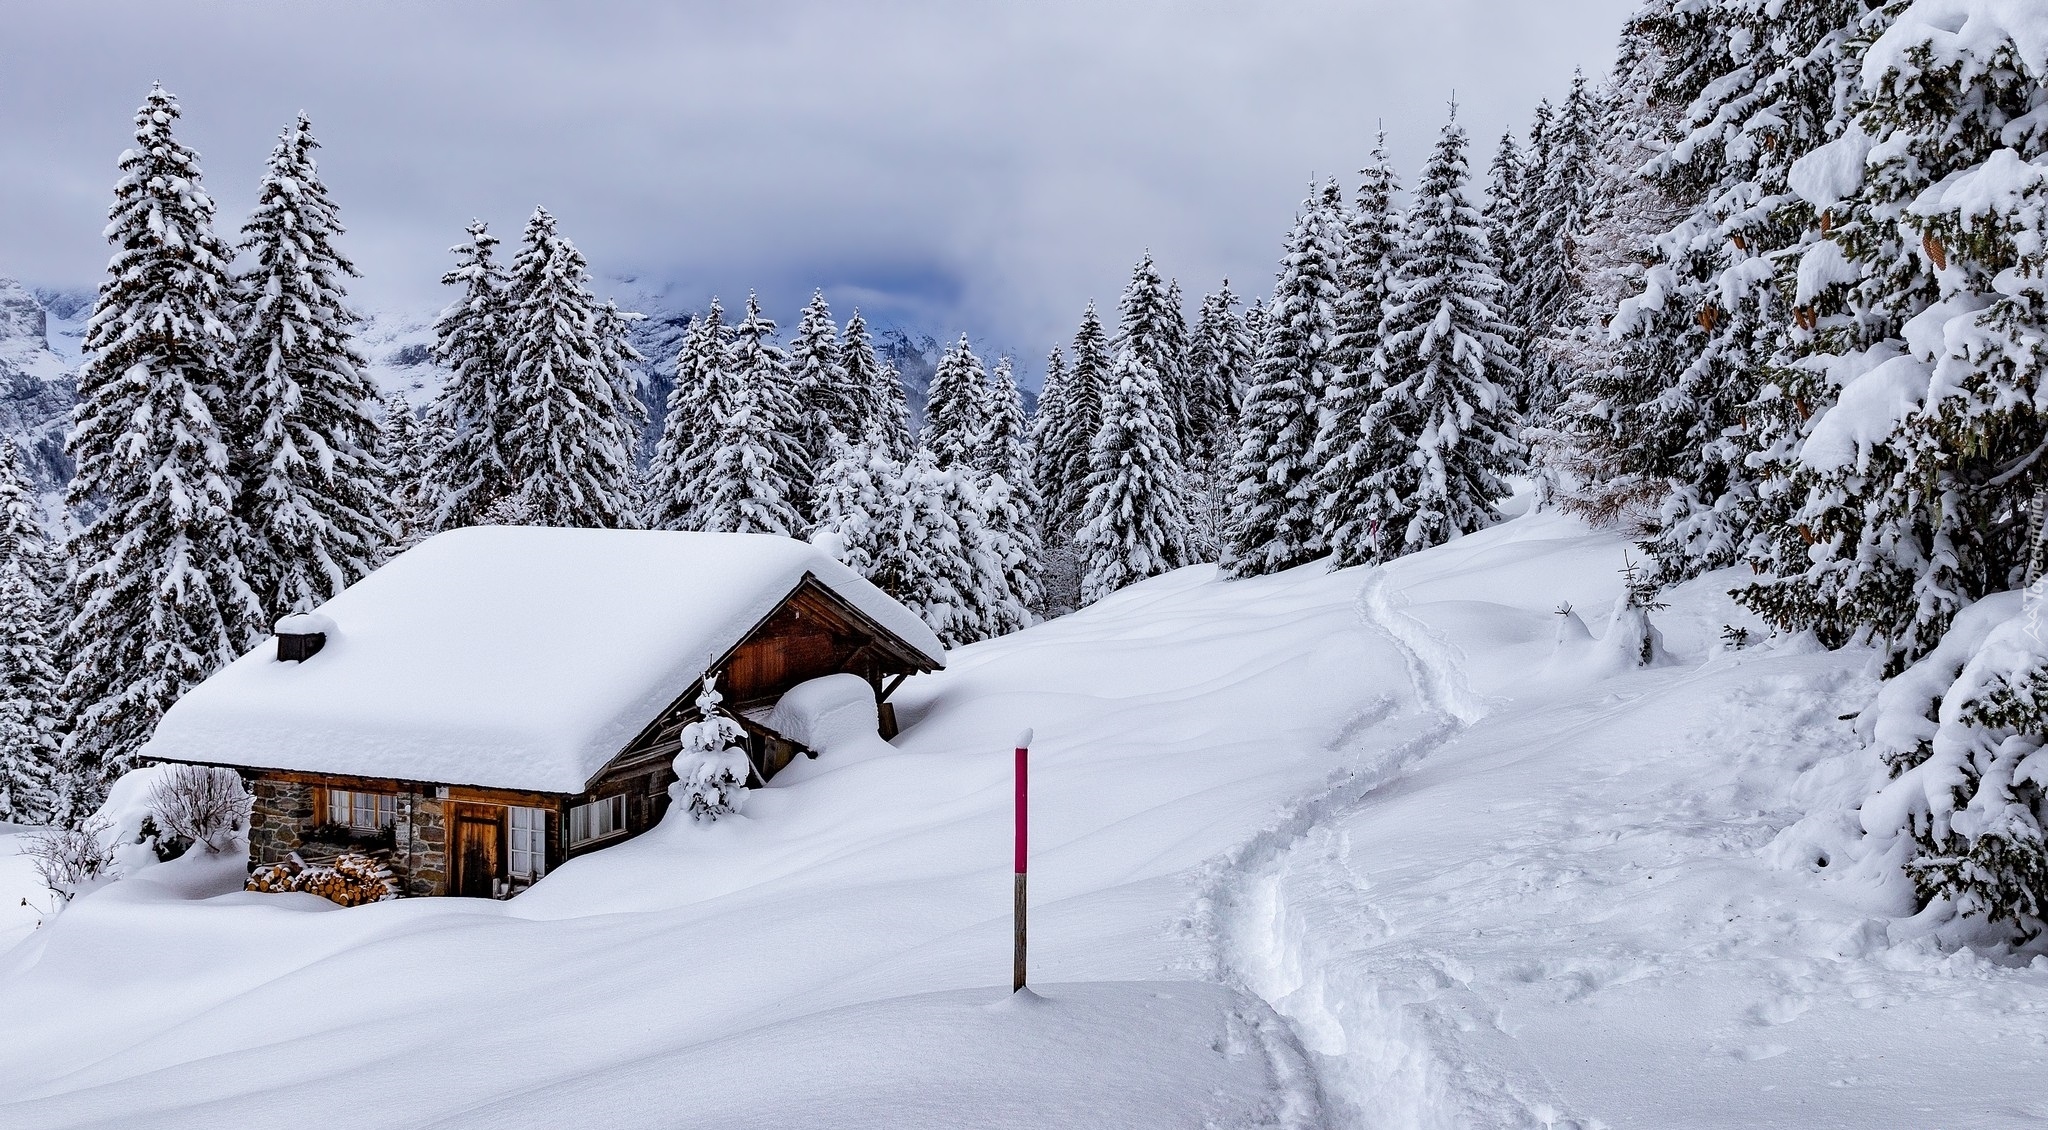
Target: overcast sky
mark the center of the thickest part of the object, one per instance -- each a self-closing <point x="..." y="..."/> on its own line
<point x="961" y="165"/>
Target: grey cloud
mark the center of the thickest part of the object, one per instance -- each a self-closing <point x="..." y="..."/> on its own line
<point x="976" y="166"/>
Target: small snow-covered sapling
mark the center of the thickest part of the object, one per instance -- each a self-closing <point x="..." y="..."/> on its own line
<point x="712" y="769"/>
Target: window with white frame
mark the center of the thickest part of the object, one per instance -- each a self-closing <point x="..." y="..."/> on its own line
<point x="529" y="843"/>
<point x="361" y="811"/>
<point x="602" y="817"/>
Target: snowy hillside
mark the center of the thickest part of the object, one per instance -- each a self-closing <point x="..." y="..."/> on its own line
<point x="1484" y="877"/>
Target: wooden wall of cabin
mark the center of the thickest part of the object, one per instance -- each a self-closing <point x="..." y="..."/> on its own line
<point x="808" y="637"/>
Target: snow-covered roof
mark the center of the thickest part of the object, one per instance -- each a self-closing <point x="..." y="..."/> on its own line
<point x="507" y="656"/>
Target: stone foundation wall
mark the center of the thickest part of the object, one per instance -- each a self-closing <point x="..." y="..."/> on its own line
<point x="280" y="819"/>
<point x="285" y="814"/>
<point x="421" y="862"/>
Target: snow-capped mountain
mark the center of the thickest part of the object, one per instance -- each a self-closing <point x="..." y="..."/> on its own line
<point x="38" y="383"/>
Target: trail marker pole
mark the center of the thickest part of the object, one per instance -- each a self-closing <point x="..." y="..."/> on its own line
<point x="1023" y="815"/>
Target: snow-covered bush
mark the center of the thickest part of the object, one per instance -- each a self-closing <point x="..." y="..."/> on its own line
<point x="68" y="858"/>
<point x="1961" y="732"/>
<point x="712" y="769"/>
<point x="201" y="805"/>
<point x="352" y="879"/>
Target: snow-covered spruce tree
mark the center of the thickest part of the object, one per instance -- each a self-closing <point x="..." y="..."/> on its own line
<point x="1219" y="360"/>
<point x="314" y="498"/>
<point x="1179" y="345"/>
<point x="712" y="769"/>
<point x="1010" y="504"/>
<point x="879" y="414"/>
<point x="956" y="421"/>
<point x="1962" y="732"/>
<point x="852" y="501"/>
<point x="690" y="426"/>
<point x="742" y="474"/>
<point x="22" y="534"/>
<point x="1148" y="326"/>
<point x="1441" y="436"/>
<point x="825" y="400"/>
<point x="931" y="552"/>
<point x="1134" y="524"/>
<point x="574" y="418"/>
<point x="472" y="471"/>
<point x="1502" y="212"/>
<point x="30" y="753"/>
<point x="157" y="578"/>
<point x="1059" y="566"/>
<point x="1579" y="450"/>
<point x="1686" y="416"/>
<point x="1919" y="302"/>
<point x="1548" y="276"/>
<point x="1348" y="512"/>
<point x="409" y="448"/>
<point x="1274" y="468"/>
<point x="1069" y="415"/>
<point x="29" y="749"/>
<point x="1517" y="221"/>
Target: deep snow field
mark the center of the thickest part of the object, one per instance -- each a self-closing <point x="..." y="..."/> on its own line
<point x="1370" y="848"/>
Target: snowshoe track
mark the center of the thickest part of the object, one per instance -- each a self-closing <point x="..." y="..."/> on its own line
<point x="1376" y="1058"/>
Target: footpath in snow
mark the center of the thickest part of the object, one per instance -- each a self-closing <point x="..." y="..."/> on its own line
<point x="1351" y="849"/>
<point x="1581" y="904"/>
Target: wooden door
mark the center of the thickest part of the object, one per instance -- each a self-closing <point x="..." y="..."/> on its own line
<point x="477" y="849"/>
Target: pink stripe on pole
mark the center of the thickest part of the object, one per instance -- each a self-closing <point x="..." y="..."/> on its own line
<point x="1023" y="791"/>
<point x="1023" y="795"/>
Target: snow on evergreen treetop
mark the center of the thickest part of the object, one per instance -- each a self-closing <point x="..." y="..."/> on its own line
<point x="759" y="470"/>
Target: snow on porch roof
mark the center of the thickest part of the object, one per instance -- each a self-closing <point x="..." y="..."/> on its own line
<point x="512" y="657"/>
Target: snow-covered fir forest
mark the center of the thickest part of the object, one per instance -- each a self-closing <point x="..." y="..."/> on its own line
<point x="1736" y="352"/>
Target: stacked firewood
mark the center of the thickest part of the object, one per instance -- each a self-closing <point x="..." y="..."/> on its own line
<point x="350" y="879"/>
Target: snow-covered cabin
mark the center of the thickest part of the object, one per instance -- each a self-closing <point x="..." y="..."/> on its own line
<point x="498" y="699"/>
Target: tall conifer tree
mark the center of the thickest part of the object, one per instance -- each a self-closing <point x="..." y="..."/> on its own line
<point x="472" y="471"/>
<point x="31" y="784"/>
<point x="956" y="410"/>
<point x="570" y="446"/>
<point x="1134" y="524"/>
<point x="747" y="481"/>
<point x="158" y="582"/>
<point x="314" y="496"/>
<point x="1347" y="508"/>
<point x="1275" y="464"/>
<point x="1442" y="435"/>
<point x="880" y="416"/>
<point x="690" y="428"/>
